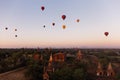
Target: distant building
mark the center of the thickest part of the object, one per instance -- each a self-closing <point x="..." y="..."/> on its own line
<point x="50" y="67"/>
<point x="41" y="57"/>
<point x="29" y="55"/>
<point x="51" y="59"/>
<point x="45" y="75"/>
<point x="79" y="56"/>
<point x="99" y="70"/>
<point x="107" y="74"/>
<point x="59" y="57"/>
<point x="110" y="71"/>
<point x="68" y="55"/>
<point x="36" y="56"/>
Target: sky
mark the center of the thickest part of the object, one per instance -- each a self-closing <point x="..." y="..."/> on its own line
<point x="96" y="17"/>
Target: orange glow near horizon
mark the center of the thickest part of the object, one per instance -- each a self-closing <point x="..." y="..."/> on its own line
<point x="60" y="44"/>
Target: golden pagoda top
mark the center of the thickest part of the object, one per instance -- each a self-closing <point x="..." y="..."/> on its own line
<point x="110" y="71"/>
<point x="109" y="66"/>
<point x="99" y="65"/>
<point x="51" y="59"/>
<point x="79" y="53"/>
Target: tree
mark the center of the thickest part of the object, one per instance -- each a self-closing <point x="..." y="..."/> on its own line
<point x="34" y="70"/>
<point x="79" y="74"/>
<point x="118" y="76"/>
<point x="63" y="74"/>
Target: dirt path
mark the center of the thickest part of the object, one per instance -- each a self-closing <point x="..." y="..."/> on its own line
<point x="17" y="74"/>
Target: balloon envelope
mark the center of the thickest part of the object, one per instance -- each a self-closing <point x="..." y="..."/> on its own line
<point x="106" y="33"/>
<point x="15" y="35"/>
<point x="53" y="24"/>
<point x="15" y="29"/>
<point x="64" y="26"/>
<point x="44" y="26"/>
<point x="42" y="8"/>
<point x="6" y="28"/>
<point x="78" y="20"/>
<point x="63" y="17"/>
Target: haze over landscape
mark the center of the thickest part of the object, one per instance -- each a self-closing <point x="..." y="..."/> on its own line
<point x="96" y="17"/>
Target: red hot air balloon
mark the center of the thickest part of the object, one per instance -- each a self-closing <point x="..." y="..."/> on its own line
<point x="106" y="33"/>
<point x="42" y="8"/>
<point x="63" y="17"/>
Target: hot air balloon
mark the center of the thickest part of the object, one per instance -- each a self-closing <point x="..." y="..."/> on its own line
<point x="42" y="8"/>
<point x="78" y="20"/>
<point x="44" y="26"/>
<point x="6" y="28"/>
<point x="63" y="17"/>
<point x="53" y="24"/>
<point x="15" y="35"/>
<point x="15" y="29"/>
<point x="64" y="26"/>
<point x="106" y="33"/>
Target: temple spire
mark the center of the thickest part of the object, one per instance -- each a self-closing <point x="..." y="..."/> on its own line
<point x="110" y="71"/>
<point x="79" y="55"/>
<point x="51" y="59"/>
<point x="50" y="65"/>
<point x="109" y="66"/>
<point x="99" y="65"/>
<point x="99" y="70"/>
<point x="45" y="76"/>
<point x="41" y="57"/>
